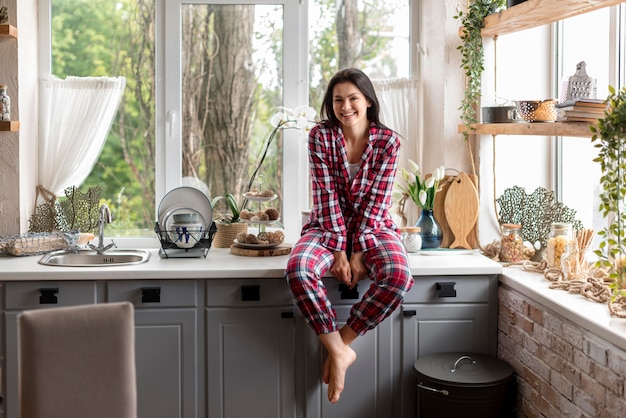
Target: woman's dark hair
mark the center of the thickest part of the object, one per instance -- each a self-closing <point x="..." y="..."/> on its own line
<point x="363" y="83"/>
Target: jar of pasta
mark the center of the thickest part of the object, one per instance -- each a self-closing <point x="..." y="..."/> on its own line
<point x="511" y="243"/>
<point x="560" y="237"/>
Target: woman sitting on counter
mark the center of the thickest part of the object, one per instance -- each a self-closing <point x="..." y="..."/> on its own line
<point x="353" y="159"/>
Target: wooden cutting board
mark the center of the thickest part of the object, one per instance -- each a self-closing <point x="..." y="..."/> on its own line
<point x="461" y="208"/>
<point x="282" y="249"/>
<point x="440" y="215"/>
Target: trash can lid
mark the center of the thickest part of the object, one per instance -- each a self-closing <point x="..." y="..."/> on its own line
<point x="463" y="368"/>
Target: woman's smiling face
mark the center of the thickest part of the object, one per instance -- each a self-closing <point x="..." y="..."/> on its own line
<point x="350" y="105"/>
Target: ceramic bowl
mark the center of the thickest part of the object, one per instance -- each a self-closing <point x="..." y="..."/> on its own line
<point x="185" y="235"/>
<point x="185" y="217"/>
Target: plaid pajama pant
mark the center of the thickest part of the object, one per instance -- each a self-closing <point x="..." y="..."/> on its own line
<point x="388" y="267"/>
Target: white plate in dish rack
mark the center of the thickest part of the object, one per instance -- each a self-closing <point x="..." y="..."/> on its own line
<point x="185" y="197"/>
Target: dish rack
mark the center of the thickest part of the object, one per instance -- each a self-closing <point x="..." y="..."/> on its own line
<point x="169" y="249"/>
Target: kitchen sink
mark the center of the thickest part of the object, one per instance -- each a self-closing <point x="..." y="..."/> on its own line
<point x="89" y="258"/>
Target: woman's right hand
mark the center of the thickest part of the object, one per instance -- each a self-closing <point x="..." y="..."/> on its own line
<point x="341" y="268"/>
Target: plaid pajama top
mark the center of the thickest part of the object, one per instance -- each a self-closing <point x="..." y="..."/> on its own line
<point x="351" y="210"/>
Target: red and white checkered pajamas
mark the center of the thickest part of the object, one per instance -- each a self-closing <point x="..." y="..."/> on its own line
<point x="352" y="216"/>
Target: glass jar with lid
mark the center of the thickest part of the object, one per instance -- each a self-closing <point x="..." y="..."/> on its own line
<point x="411" y="238"/>
<point x="5" y="103"/>
<point x="561" y="235"/>
<point x="511" y="243"/>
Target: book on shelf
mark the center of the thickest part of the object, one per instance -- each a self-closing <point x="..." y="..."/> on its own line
<point x="594" y="114"/>
<point x="576" y="119"/>
<point x="582" y="103"/>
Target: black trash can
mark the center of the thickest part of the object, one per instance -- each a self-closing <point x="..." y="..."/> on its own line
<point x="451" y="385"/>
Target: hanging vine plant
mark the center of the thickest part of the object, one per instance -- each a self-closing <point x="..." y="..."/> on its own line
<point x="472" y="58"/>
<point x="609" y="136"/>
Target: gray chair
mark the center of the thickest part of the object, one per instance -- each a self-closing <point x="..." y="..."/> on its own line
<point x="77" y="362"/>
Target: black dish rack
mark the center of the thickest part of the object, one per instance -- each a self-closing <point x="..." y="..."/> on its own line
<point x="169" y="249"/>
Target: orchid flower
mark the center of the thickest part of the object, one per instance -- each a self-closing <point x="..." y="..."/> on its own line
<point x="300" y="118"/>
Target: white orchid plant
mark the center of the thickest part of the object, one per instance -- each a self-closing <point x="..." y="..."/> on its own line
<point x="301" y="118"/>
<point x="421" y="191"/>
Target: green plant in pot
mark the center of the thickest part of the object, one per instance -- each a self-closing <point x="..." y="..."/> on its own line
<point x="472" y="58"/>
<point x="228" y="225"/>
<point x="609" y="137"/>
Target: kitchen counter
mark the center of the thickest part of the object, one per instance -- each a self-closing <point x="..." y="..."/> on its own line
<point x="220" y="264"/>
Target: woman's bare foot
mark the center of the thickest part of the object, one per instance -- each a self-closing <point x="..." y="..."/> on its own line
<point x="340" y="357"/>
<point x="338" y="364"/>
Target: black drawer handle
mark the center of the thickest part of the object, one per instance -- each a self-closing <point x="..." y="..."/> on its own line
<point x="48" y="295"/>
<point x="150" y="295"/>
<point x="286" y="314"/>
<point x="409" y="312"/>
<point x="347" y="293"/>
<point x="250" y="293"/>
<point x="446" y="289"/>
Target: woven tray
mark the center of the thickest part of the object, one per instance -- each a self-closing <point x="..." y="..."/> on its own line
<point x="41" y="243"/>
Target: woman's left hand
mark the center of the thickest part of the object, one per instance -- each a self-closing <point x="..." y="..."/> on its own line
<point x="359" y="271"/>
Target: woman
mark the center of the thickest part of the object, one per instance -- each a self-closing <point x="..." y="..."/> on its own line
<point x="353" y="159"/>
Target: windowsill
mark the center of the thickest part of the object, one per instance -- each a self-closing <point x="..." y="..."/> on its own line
<point x="592" y="316"/>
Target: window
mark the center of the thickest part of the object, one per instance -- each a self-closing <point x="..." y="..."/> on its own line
<point x="595" y="39"/>
<point x="204" y="78"/>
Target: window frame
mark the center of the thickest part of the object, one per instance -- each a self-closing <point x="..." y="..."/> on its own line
<point x="168" y="101"/>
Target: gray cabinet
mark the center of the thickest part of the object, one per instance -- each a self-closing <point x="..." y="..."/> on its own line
<point x="250" y="352"/>
<point x="443" y="314"/>
<point x="234" y="348"/>
<point x="20" y="296"/>
<point x="169" y="369"/>
<point x="167" y="346"/>
<point x="369" y="381"/>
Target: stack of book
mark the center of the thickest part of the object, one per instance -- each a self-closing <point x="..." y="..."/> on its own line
<point x="580" y="110"/>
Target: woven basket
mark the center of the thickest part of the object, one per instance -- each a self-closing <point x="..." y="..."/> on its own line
<point x="226" y="233"/>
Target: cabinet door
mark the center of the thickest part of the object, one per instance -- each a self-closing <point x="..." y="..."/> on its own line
<point x="166" y="354"/>
<point x="20" y="296"/>
<point x="438" y="328"/>
<point x="368" y="386"/>
<point x="251" y="362"/>
<point x="169" y="369"/>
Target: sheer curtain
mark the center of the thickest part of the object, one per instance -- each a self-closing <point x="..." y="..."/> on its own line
<point x="76" y="115"/>
<point x="400" y="104"/>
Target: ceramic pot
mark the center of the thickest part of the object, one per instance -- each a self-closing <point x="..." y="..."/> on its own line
<point x="227" y="232"/>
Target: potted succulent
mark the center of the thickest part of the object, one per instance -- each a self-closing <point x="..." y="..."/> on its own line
<point x="472" y="59"/>
<point x="228" y="225"/>
<point x="609" y="136"/>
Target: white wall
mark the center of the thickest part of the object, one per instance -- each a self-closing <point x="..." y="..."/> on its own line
<point x="517" y="67"/>
<point x="28" y="99"/>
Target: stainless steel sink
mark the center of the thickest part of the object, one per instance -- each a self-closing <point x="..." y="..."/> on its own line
<point x="89" y="258"/>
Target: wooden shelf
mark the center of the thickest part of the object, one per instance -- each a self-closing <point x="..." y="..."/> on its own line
<point x="533" y="13"/>
<point x="579" y="129"/>
<point x="8" y="30"/>
<point x="9" y="126"/>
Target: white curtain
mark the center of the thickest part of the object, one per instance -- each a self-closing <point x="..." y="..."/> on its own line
<point x="400" y="105"/>
<point x="76" y="115"/>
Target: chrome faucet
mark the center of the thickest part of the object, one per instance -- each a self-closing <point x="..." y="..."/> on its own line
<point x="104" y="218"/>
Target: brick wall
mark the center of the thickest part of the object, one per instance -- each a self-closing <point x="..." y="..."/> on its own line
<point x="562" y="370"/>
